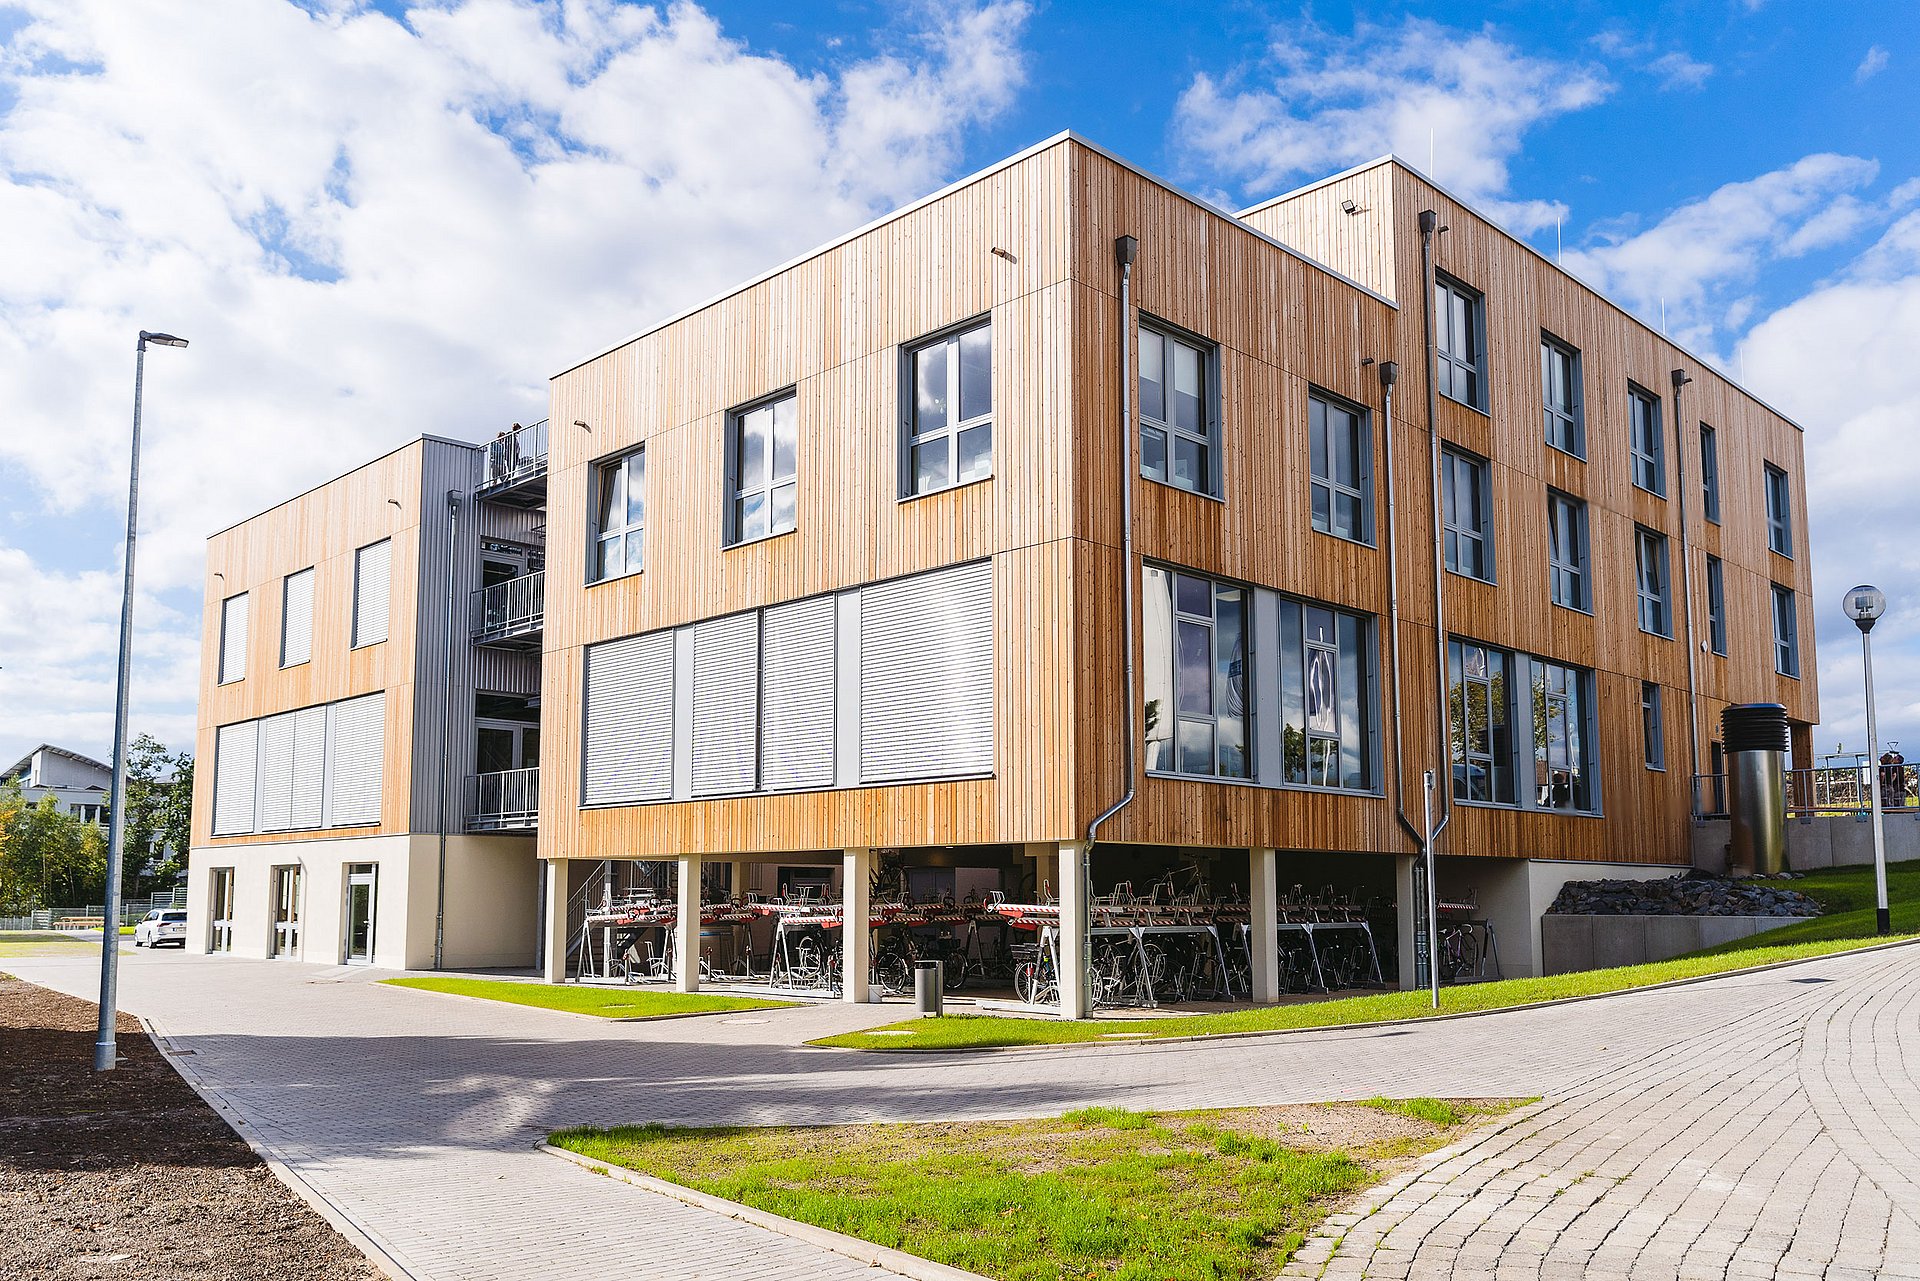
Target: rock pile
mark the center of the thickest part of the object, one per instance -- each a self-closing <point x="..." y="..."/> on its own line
<point x="1689" y="894"/>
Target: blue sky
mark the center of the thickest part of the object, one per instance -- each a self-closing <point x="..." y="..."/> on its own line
<point x="378" y="220"/>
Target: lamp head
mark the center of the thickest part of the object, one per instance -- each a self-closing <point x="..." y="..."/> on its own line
<point x="161" y="340"/>
<point x="1864" y="605"/>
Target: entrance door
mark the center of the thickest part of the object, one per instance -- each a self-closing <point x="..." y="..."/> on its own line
<point x="359" y="914"/>
<point x="220" y="910"/>
<point x="286" y="911"/>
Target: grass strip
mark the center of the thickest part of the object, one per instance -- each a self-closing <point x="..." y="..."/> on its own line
<point x="604" y="1002"/>
<point x="1848" y="895"/>
<point x="975" y="1032"/>
<point x="1101" y="1192"/>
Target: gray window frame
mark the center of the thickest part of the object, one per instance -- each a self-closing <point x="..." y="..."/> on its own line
<point x="1471" y="365"/>
<point x="909" y="438"/>
<point x="1455" y="532"/>
<point x="221" y="675"/>
<point x="736" y="489"/>
<point x="1786" y="641"/>
<point x="1779" y="492"/>
<point x="1500" y="692"/>
<point x="597" y="536"/>
<point x="1651" y="460"/>
<point x="1216" y="688"/>
<point x="1572" y="418"/>
<point x="1541" y="699"/>
<point x="286" y="591"/>
<point x="1653" y="728"/>
<point x="1653" y="583"/>
<point x="1716" y="606"/>
<point x="1710" y="473"/>
<point x="1578" y="573"/>
<point x="1324" y="401"/>
<point x="1209" y="352"/>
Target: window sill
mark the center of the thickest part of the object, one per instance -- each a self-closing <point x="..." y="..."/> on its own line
<point x="368" y="644"/>
<point x="1306" y="788"/>
<point x="1786" y="556"/>
<point x="614" y="578"/>
<point x="287" y="667"/>
<point x="764" y="538"/>
<point x="1517" y="808"/>
<point x="1584" y="610"/>
<point x="1655" y="492"/>
<point x="1666" y="636"/>
<point x="1367" y="543"/>
<point x="1182" y="489"/>
<point x="1473" y="578"/>
<point x="944" y="489"/>
<point x="1567" y="453"/>
<point x="1467" y="404"/>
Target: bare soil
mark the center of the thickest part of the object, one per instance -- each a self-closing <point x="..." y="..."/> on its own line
<point x="131" y="1174"/>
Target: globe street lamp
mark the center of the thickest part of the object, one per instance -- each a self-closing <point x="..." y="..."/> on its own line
<point x="1865" y="605"/>
<point x="105" y="1053"/>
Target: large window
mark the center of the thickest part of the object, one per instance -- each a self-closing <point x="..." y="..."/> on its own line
<point x="1652" y="730"/>
<point x="762" y="463"/>
<point x="1460" y="334"/>
<point x="1340" y="444"/>
<point x="1567" y="550"/>
<point x="1326" y="731"/>
<point x="1468" y="512"/>
<point x="1480" y="704"/>
<point x="620" y="516"/>
<point x="1717" y="605"/>
<point x="1563" y="771"/>
<point x="1178" y="443"/>
<point x="310" y="768"/>
<point x="1779" y="512"/>
<point x="1198" y="705"/>
<point x="233" y="638"/>
<point x="1650" y="571"/>
<point x="372" y="584"/>
<point x="296" y="618"/>
<point x="1710" y="473"/>
<point x="1649" y="450"/>
<point x="948" y="421"/>
<point x="1786" y="632"/>
<point x="1560" y="391"/>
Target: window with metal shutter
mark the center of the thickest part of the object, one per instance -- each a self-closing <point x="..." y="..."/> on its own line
<point x="309" y="768"/>
<point x="233" y="638"/>
<point x="726" y="705"/>
<point x="356" y="759"/>
<point x="926" y="676"/>
<point x="797" y="695"/>
<point x="296" y="619"/>
<point x="274" y="783"/>
<point x="629" y="721"/>
<point x="233" y="774"/>
<point x="372" y="577"/>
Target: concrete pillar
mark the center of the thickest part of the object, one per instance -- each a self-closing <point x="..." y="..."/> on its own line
<point x="856" y="940"/>
<point x="737" y="879"/>
<point x="1263" y="940"/>
<point x="1407" y="908"/>
<point x="686" y="927"/>
<point x="1045" y="858"/>
<point x="553" y="942"/>
<point x="1072" y="888"/>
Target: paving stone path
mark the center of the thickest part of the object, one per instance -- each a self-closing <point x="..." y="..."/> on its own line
<point x="1756" y="1126"/>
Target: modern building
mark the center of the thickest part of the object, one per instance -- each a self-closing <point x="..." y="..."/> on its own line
<point x="79" y="784"/>
<point x="1051" y="533"/>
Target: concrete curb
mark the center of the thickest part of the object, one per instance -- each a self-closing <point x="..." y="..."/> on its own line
<point x="878" y="1256"/>
<point x="361" y="1239"/>
<point x="1404" y="1024"/>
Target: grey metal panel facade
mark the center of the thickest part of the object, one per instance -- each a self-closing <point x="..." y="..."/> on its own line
<point x="444" y="466"/>
<point x="506" y="671"/>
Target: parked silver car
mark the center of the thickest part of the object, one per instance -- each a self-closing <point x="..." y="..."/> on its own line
<point x="162" y="926"/>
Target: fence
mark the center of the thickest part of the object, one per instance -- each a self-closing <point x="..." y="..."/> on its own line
<point x="1827" y="789"/>
<point x="131" y="912"/>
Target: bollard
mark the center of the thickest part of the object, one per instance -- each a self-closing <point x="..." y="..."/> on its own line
<point x="928" y="990"/>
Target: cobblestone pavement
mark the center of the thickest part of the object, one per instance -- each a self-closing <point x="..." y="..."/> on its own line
<point x="1755" y="1126"/>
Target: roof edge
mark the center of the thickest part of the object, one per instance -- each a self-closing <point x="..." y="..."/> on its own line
<point x="424" y="438"/>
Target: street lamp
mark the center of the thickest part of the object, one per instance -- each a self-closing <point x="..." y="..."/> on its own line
<point x="1865" y="605"/>
<point x="104" y="1050"/>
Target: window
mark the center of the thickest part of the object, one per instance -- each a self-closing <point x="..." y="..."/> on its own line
<point x="1562" y="738"/>
<point x="1468" y="510"/>
<point x="947" y="423"/>
<point x="314" y="767"/>
<point x="372" y="578"/>
<point x="296" y="618"/>
<point x="1460" y="334"/>
<point x="1786" y="632"/>
<point x="1779" y="512"/>
<point x="1710" y="473"/>
<point x="1326" y="697"/>
<point x="1567" y="550"/>
<point x="233" y="638"/>
<point x="1650" y="565"/>
<point x="762" y="453"/>
<point x="1340" y="445"/>
<point x="1177" y="415"/>
<point x="1480" y="708"/>
<point x="1199" y="710"/>
<point x="620" y="517"/>
<point x="1560" y="391"/>
<point x="1717" y="605"/>
<point x="1652" y="733"/>
<point x="1649" y="455"/>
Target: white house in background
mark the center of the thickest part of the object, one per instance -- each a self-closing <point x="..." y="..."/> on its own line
<point x="80" y="783"/>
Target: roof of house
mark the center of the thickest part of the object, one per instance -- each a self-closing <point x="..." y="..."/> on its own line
<point x="20" y="767"/>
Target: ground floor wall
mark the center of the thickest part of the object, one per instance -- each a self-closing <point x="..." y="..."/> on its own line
<point x="492" y="895"/>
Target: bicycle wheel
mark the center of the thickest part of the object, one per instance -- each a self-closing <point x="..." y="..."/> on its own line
<point x="891" y="972"/>
<point x="1026" y="981"/>
<point x="1469" y="955"/>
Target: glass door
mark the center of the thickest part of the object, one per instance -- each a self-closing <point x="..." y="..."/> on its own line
<point x="286" y="911"/>
<point x="220" y="910"/>
<point x="359" y="913"/>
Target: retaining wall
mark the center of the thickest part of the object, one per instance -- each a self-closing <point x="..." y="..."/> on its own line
<point x="1570" y="943"/>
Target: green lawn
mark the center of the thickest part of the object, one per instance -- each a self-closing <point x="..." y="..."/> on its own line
<point x="606" y="1002"/>
<point x="1848" y="895"/>
<point x="1103" y="1192"/>
<point x="970" y="1032"/>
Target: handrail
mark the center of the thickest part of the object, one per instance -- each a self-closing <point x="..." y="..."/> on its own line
<point x="1825" y="790"/>
<point x="516" y="455"/>
<point x="512" y="608"/>
<point x="503" y="800"/>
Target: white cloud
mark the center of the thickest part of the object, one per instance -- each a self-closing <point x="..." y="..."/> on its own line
<point x="370" y="228"/>
<point x="1317" y="104"/>
<point x="1872" y="65"/>
<point x="1677" y="70"/>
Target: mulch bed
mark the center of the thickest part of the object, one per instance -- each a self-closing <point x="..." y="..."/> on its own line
<point x="131" y="1174"/>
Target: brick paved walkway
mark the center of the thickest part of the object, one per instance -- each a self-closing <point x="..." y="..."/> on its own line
<point x="1760" y="1126"/>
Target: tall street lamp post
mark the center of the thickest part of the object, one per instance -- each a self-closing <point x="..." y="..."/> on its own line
<point x="1865" y="604"/>
<point x="104" y="1051"/>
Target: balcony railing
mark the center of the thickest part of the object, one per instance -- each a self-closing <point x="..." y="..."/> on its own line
<point x="511" y="611"/>
<point x="515" y="460"/>
<point x="1828" y="790"/>
<point x="503" y="801"/>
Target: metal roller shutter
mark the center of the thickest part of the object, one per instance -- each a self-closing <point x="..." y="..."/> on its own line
<point x="356" y="757"/>
<point x="296" y="619"/>
<point x="233" y="638"/>
<point x="274" y="811"/>
<point x="233" y="774"/>
<point x="372" y="579"/>
<point x="797" y="695"/>
<point x="629" y="721"/>
<point x="926" y="676"/>
<point x="309" y="767"/>
<point x="726" y="705"/>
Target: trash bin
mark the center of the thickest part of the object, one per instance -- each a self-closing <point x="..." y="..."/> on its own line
<point x="928" y="992"/>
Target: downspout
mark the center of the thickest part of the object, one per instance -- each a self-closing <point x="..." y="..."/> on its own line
<point x="1680" y="380"/>
<point x="1389" y="374"/>
<point x="1429" y="226"/>
<point x="446" y="731"/>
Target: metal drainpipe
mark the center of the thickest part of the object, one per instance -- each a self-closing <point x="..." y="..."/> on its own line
<point x="1390" y="374"/>
<point x="446" y="732"/>
<point x="1680" y="380"/>
<point x="1429" y="226"/>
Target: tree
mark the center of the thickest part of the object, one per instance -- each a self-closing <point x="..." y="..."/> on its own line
<point x="159" y="806"/>
<point x="48" y="857"/>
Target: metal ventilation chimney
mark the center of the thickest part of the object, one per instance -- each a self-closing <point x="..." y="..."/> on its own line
<point x="1757" y="743"/>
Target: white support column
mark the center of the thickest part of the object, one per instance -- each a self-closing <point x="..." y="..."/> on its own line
<point x="1072" y="888"/>
<point x="737" y="878"/>
<point x="1407" y="907"/>
<point x="554" y="940"/>
<point x="1046" y="868"/>
<point x="686" y="927"/>
<point x="1263" y="941"/>
<point x="856" y="878"/>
